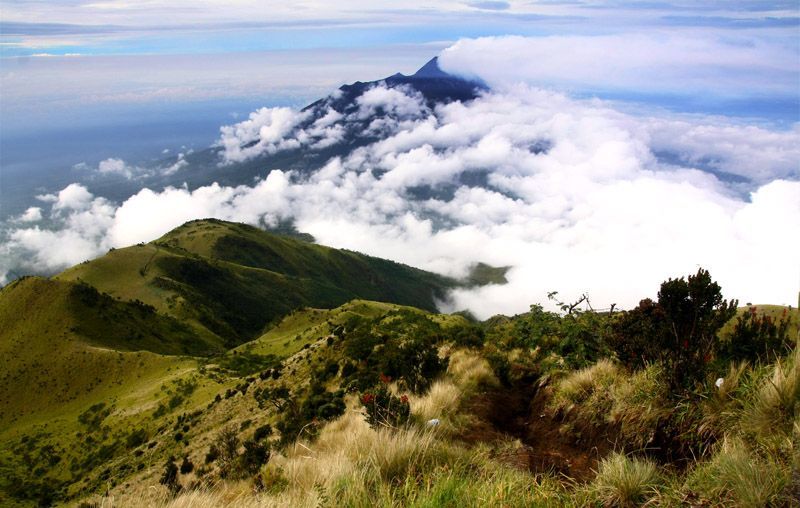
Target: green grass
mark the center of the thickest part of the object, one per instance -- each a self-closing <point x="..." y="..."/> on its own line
<point x="230" y="282"/>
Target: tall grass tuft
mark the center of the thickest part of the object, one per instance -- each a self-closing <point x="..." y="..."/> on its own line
<point x="736" y="476"/>
<point x="588" y="388"/>
<point x="625" y="482"/>
<point x="723" y="407"/>
<point x="776" y="403"/>
<point x="639" y="404"/>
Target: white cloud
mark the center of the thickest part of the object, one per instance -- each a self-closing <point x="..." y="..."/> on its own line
<point x="570" y="193"/>
<point x="115" y="167"/>
<point x="32" y="214"/>
<point x="72" y="197"/>
<point x="660" y="61"/>
<point x="264" y="131"/>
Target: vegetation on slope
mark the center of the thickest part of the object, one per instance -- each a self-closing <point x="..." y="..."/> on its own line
<point x="231" y="281"/>
<point x="379" y="404"/>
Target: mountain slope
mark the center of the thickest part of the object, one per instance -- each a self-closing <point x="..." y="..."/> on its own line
<point x="229" y="281"/>
<point x="434" y="86"/>
<point x="61" y="342"/>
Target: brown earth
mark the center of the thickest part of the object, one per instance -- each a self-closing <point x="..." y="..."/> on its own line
<point x="546" y="448"/>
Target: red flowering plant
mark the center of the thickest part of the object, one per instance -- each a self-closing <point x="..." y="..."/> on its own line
<point x="384" y="409"/>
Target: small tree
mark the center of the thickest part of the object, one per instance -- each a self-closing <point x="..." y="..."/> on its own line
<point x="254" y="456"/>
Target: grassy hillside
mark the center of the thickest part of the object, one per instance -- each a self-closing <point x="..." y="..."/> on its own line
<point x="81" y="418"/>
<point x="516" y="426"/>
<point x="61" y="341"/>
<point x="229" y="281"/>
<point x="208" y="376"/>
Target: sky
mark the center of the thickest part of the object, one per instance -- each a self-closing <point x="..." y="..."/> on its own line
<point x="671" y="126"/>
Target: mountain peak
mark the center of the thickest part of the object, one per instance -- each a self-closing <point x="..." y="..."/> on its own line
<point x="431" y="70"/>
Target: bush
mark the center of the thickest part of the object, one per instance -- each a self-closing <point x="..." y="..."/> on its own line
<point x="136" y="438"/>
<point x="169" y="477"/>
<point x="385" y="410"/>
<point x="186" y="466"/>
<point x="679" y="330"/>
<point x="758" y="337"/>
<point x="262" y="432"/>
<point x="254" y="456"/>
<point x="213" y="454"/>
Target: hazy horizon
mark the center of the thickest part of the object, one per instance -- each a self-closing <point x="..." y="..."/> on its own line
<point x="675" y="129"/>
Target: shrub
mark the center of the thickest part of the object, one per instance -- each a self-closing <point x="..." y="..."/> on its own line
<point x="383" y="409"/>
<point x="758" y="337"/>
<point x="679" y="330"/>
<point x="262" y="432"/>
<point x="213" y="454"/>
<point x="253" y="457"/>
<point x="186" y="466"/>
<point x="136" y="438"/>
<point x="169" y="477"/>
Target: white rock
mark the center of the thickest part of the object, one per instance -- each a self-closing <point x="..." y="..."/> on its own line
<point x="432" y="423"/>
<point x="719" y="382"/>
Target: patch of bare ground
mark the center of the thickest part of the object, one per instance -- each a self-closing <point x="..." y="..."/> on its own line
<point x="522" y="414"/>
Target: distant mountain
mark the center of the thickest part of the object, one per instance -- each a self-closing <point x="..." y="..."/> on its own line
<point x="433" y="84"/>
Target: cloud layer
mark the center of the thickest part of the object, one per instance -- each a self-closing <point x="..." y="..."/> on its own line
<point x="670" y="62"/>
<point x="572" y="194"/>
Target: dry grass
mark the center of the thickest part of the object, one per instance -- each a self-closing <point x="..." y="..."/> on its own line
<point x="775" y="404"/>
<point x="737" y="476"/>
<point x="624" y="482"/>
<point x="639" y="402"/>
<point x="470" y="371"/>
<point x="591" y="384"/>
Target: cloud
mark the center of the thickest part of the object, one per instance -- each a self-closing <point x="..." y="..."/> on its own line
<point x="573" y="194"/>
<point x="377" y="112"/>
<point x="704" y="63"/>
<point x="263" y="132"/>
<point x="490" y="5"/>
<point x="115" y="167"/>
<point x="32" y="214"/>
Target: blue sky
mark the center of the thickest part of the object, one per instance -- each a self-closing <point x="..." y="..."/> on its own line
<point x="687" y="90"/>
<point x="138" y="36"/>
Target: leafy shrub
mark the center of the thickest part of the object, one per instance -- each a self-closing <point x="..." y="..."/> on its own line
<point x="468" y="335"/>
<point x="186" y="466"/>
<point x="385" y="410"/>
<point x="212" y="454"/>
<point x="679" y="330"/>
<point x="758" y="337"/>
<point x="318" y="406"/>
<point x="262" y="432"/>
<point x="169" y="477"/>
<point x="136" y="438"/>
<point x="253" y="457"/>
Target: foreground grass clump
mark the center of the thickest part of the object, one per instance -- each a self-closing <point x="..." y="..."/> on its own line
<point x="625" y="482"/>
<point x="739" y="476"/>
<point x="775" y="407"/>
<point x="604" y="398"/>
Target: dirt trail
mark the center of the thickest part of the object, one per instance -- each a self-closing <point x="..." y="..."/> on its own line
<point x="522" y="414"/>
